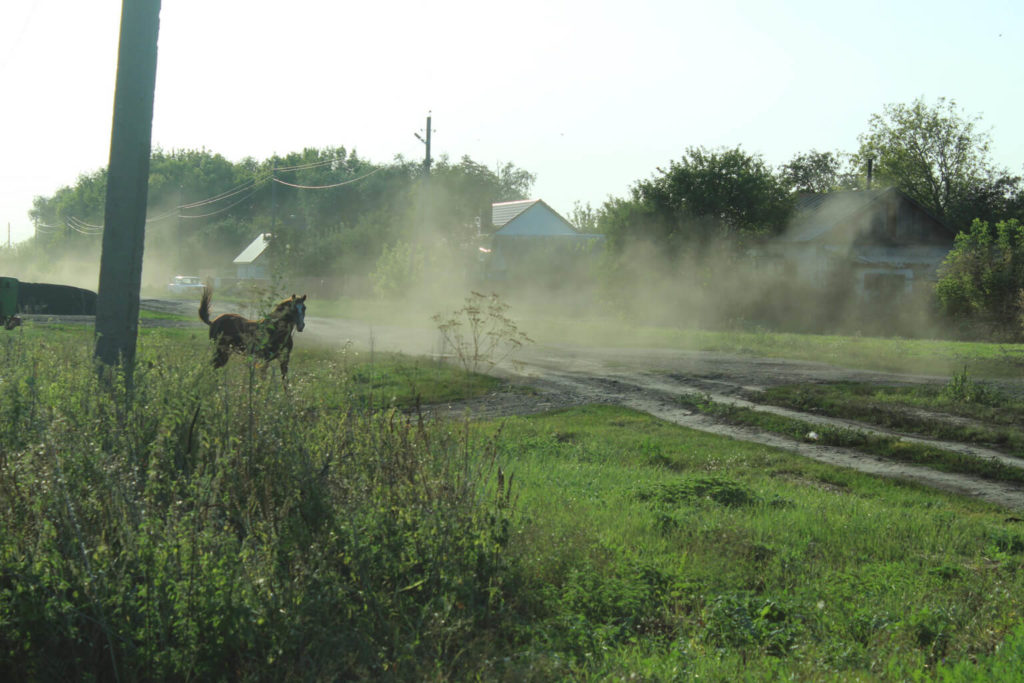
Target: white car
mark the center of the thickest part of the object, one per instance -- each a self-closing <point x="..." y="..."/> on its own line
<point x="183" y="284"/>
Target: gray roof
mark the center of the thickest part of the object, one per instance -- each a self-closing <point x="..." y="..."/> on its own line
<point x="503" y="212"/>
<point x="529" y="217"/>
<point x="254" y="250"/>
<point x="817" y="214"/>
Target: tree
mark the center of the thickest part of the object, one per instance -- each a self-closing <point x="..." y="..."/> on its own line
<point x="584" y="217"/>
<point x="329" y="209"/>
<point x="939" y="157"/>
<point x="819" y="172"/>
<point x="982" y="278"/>
<point x="723" y="194"/>
<point x="461" y="193"/>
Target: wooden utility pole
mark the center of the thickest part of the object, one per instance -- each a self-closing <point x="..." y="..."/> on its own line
<point x="426" y="142"/>
<point x="124" y="221"/>
<point x="273" y="199"/>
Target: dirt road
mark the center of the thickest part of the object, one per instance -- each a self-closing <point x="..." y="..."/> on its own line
<point x="651" y="380"/>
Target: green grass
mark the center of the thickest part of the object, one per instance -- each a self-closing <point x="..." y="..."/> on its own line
<point x="216" y="527"/>
<point x="671" y="554"/>
<point x="890" y="447"/>
<point x="919" y="356"/>
<point x="996" y="416"/>
<point x="156" y="315"/>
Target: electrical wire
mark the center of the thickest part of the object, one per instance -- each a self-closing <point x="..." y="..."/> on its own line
<point x="313" y="164"/>
<point x="82" y="224"/>
<point x="249" y="186"/>
<point x="326" y="187"/>
<point x="90" y="233"/>
<point x="165" y="216"/>
<point x="254" y="182"/>
<point x="229" y="206"/>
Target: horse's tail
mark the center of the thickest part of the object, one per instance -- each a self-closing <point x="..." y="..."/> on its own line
<point x="204" y="304"/>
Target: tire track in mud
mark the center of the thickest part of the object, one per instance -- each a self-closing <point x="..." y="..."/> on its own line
<point x="657" y="395"/>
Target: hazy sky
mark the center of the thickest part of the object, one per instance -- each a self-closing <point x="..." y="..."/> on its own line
<point x="591" y="96"/>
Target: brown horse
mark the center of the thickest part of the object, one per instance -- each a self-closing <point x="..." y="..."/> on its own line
<point x="267" y="338"/>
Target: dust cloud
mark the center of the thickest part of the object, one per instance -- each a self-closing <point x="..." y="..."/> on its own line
<point x="431" y="266"/>
<point x="759" y="287"/>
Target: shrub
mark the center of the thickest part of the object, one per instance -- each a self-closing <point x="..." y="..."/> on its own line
<point x="201" y="530"/>
<point x="481" y="334"/>
<point x="983" y="276"/>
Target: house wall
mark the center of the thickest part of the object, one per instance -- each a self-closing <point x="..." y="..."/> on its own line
<point x="890" y="247"/>
<point x="897" y="222"/>
<point x="518" y="257"/>
<point x="251" y="271"/>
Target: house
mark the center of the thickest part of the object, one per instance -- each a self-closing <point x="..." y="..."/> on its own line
<point x="889" y="243"/>
<point x="528" y="234"/>
<point x="251" y="264"/>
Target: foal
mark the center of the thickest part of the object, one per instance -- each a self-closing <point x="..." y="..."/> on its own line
<point x="267" y="338"/>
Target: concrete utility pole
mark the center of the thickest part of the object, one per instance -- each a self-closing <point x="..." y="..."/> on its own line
<point x="124" y="221"/>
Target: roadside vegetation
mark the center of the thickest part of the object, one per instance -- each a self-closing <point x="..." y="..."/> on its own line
<point x="885" y="445"/>
<point x="216" y="526"/>
<point x="213" y="526"/>
<point x="988" y="415"/>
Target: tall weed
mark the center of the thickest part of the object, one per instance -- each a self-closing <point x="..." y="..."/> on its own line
<point x="218" y="527"/>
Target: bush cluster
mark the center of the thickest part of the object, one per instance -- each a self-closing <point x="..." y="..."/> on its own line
<point x="212" y="526"/>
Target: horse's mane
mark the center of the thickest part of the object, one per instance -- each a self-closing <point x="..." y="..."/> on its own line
<point x="283" y="304"/>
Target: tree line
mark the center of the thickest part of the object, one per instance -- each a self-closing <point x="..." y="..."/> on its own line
<point x="936" y="154"/>
<point x="329" y="210"/>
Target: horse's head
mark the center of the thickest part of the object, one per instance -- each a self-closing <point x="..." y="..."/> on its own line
<point x="298" y="307"/>
<point x="292" y="311"/>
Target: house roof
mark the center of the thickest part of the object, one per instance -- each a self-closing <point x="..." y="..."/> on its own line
<point x="254" y="250"/>
<point x="818" y="214"/>
<point x="503" y="212"/>
<point x="529" y="217"/>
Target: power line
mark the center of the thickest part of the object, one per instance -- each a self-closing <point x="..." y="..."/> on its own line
<point x="313" y="164"/>
<point x="326" y="187"/>
<point x="162" y="217"/>
<point x="252" y="183"/>
<point x="222" y="210"/>
<point x="91" y="233"/>
<point x="82" y="224"/>
<point x="249" y="187"/>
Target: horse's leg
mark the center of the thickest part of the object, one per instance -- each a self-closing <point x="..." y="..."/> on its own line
<point x="221" y="356"/>
<point x="286" y="353"/>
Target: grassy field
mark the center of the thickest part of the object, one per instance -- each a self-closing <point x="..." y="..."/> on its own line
<point x="917" y="356"/>
<point x="214" y="526"/>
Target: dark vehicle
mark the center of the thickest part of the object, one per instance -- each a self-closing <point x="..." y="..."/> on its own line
<point x="9" y="303"/>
